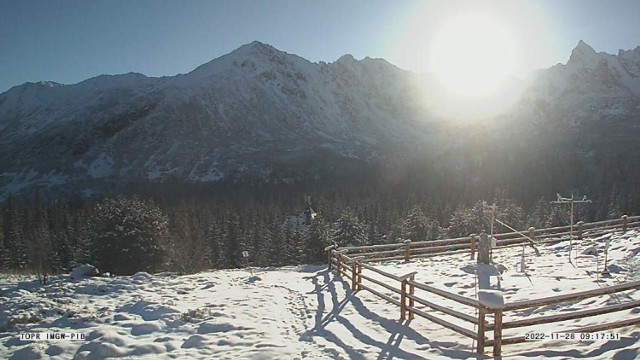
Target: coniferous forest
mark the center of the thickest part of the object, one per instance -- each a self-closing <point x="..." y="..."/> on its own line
<point x="190" y="228"/>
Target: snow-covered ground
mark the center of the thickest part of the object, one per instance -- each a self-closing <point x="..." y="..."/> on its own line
<point x="306" y="312"/>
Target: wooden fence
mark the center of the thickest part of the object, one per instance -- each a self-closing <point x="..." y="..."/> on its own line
<point x="402" y="289"/>
<point x="499" y="323"/>
<point x="407" y="250"/>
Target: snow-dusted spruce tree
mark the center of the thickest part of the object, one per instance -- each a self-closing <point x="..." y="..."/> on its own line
<point x="473" y="220"/>
<point x="129" y="235"/>
<point x="277" y="252"/>
<point x="560" y="215"/>
<point x="539" y="216"/>
<point x="259" y="241"/>
<point x="15" y="248"/>
<point x="81" y="238"/>
<point x="187" y="249"/>
<point x="416" y="225"/>
<point x="294" y="244"/>
<point x="350" y="230"/>
<point x="477" y="219"/>
<point x="233" y="241"/>
<point x="507" y="211"/>
<point x="316" y="239"/>
<point x="40" y="253"/>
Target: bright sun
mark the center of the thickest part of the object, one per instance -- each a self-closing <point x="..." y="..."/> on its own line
<point x="472" y="54"/>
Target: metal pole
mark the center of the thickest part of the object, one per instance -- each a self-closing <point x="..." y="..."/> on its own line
<point x="571" y="229"/>
<point x="571" y="201"/>
<point x="493" y="218"/>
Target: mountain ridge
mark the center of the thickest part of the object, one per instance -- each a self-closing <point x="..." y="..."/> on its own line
<point x="263" y="113"/>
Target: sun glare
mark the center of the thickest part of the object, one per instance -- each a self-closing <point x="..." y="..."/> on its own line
<point x="472" y="54"/>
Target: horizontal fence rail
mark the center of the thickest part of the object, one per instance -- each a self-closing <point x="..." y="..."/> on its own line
<point x="419" y="249"/>
<point x="499" y="324"/>
<point x="350" y="262"/>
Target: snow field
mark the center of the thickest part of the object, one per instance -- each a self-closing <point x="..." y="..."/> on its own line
<point x="307" y="313"/>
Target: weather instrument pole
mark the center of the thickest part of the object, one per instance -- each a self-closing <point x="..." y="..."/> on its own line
<point x="245" y="255"/>
<point x="493" y="219"/>
<point x="606" y="258"/>
<point x="571" y="201"/>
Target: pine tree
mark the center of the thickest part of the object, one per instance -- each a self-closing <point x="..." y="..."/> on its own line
<point x="539" y="218"/>
<point x="316" y="239"/>
<point x="507" y="211"/>
<point x="466" y="221"/>
<point x="260" y="242"/>
<point x="294" y="246"/>
<point x="560" y="215"/>
<point x="350" y="231"/>
<point x="39" y="244"/>
<point x="81" y="237"/>
<point x="15" y="247"/>
<point x="60" y="228"/>
<point x="277" y="253"/>
<point x="233" y="242"/>
<point x="416" y="225"/>
<point x="186" y="245"/>
<point x="214" y="240"/>
<point x="129" y="234"/>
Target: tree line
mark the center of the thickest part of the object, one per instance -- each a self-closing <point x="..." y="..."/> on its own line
<point x="124" y="234"/>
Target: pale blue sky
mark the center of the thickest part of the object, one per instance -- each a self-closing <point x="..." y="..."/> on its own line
<point x="69" y="41"/>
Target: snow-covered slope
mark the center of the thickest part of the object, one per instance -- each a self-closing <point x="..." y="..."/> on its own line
<point x="308" y="313"/>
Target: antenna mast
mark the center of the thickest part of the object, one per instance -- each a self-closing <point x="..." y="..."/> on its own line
<point x="571" y="200"/>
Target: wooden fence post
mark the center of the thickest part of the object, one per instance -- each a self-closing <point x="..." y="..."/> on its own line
<point x="354" y="272"/>
<point x="484" y="248"/>
<point x="490" y="301"/>
<point x="474" y="239"/>
<point x="497" y="333"/>
<point x="339" y="264"/>
<point x="532" y="233"/>
<point x="359" y="274"/>
<point x="403" y="299"/>
<point x="329" y="250"/>
<point x="625" y="223"/>
<point x="404" y="281"/>
<point x="481" y="328"/>
<point x="580" y="223"/>
<point x="411" y="292"/>
<point x="407" y="250"/>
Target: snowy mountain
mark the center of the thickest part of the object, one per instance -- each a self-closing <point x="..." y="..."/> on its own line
<point x="590" y="86"/>
<point x="263" y="114"/>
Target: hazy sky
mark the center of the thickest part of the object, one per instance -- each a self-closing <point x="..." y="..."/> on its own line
<point x="70" y="41"/>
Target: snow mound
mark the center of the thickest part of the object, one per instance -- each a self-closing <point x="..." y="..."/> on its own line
<point x="591" y="250"/>
<point x="82" y="271"/>
<point x="491" y="298"/>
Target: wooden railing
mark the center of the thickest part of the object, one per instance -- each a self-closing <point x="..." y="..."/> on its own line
<point x="400" y="290"/>
<point x="430" y="307"/>
<point x="499" y="324"/>
<point x="407" y="250"/>
<point x="351" y="268"/>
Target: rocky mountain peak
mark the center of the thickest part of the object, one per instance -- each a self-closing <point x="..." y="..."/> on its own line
<point x="583" y="55"/>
